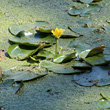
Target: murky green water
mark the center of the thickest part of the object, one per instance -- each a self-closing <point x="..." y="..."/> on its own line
<point x="63" y="93"/>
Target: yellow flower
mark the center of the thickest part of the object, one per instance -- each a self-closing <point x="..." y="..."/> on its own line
<point x="102" y="46"/>
<point x="57" y="33"/>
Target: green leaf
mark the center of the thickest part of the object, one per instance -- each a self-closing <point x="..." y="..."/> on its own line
<point x="84" y="11"/>
<point x="85" y="23"/>
<point x="98" y="60"/>
<point x="64" y="58"/>
<point x="6" y="83"/>
<point x="91" y="52"/>
<point x="45" y="30"/>
<point x="79" y="46"/>
<point x="14" y="29"/>
<point x="66" y="32"/>
<point x="69" y="34"/>
<point x="98" y="76"/>
<point x="9" y="86"/>
<point x="60" y="68"/>
<point x="44" y="53"/>
<point x="74" y="11"/>
<point x="21" y="52"/>
<point x="30" y="39"/>
<point x="104" y="103"/>
<point x="23" y="73"/>
<point x="86" y="1"/>
<point x="82" y="30"/>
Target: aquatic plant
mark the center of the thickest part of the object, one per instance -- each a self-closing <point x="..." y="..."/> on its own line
<point x="57" y="33"/>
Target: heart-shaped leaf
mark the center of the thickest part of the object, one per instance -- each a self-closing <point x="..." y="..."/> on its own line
<point x="99" y="76"/>
<point x="64" y="58"/>
<point x="60" y="68"/>
<point x="104" y="103"/>
<point x="86" y="1"/>
<point x="100" y="59"/>
<point x="82" y="30"/>
<point x="78" y="46"/>
<point x="14" y="29"/>
<point x="91" y="52"/>
<point x="30" y="39"/>
<point x="23" y="73"/>
<point x="21" y="52"/>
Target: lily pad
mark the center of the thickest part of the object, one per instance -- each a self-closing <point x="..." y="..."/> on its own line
<point x="30" y="39"/>
<point x="98" y="76"/>
<point x="84" y="11"/>
<point x="23" y="74"/>
<point x="98" y="59"/>
<point x="45" y="30"/>
<point x="104" y="103"/>
<point x="74" y="11"/>
<point x="91" y="52"/>
<point x="14" y="29"/>
<point x="66" y="32"/>
<point x="107" y="28"/>
<point x="21" y="52"/>
<point x="69" y="34"/>
<point x="44" y="53"/>
<point x="10" y="86"/>
<point x="86" y="1"/>
<point x="64" y="58"/>
<point x="79" y="46"/>
<point x="82" y="30"/>
<point x="85" y="23"/>
<point x="6" y="83"/>
<point x="65" y="68"/>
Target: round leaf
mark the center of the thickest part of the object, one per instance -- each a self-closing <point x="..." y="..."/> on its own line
<point x="22" y="52"/>
<point x="98" y="76"/>
<point x="59" y="68"/>
<point x="14" y="29"/>
<point x="86" y="1"/>
<point x="63" y="58"/>
<point x="22" y="74"/>
<point x="30" y="39"/>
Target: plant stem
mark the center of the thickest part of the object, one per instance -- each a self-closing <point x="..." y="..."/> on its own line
<point x="56" y="47"/>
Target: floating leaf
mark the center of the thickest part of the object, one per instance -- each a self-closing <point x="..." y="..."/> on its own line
<point x="104" y="103"/>
<point x="10" y="86"/>
<point x="64" y="58"/>
<point x="84" y="11"/>
<point x="30" y="39"/>
<point x="66" y="32"/>
<point x="23" y="74"/>
<point x="85" y="23"/>
<point x="98" y="59"/>
<point x="86" y="1"/>
<point x="99" y="76"/>
<point x="44" y="53"/>
<point x="14" y="29"/>
<point x="79" y="46"/>
<point x="107" y="28"/>
<point x="91" y="52"/>
<point x="60" y="68"/>
<point x="22" y="52"/>
<point x="6" y="83"/>
<point x="82" y="30"/>
<point x="69" y="34"/>
<point x="41" y="55"/>
<point x="74" y="11"/>
<point x="46" y="30"/>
